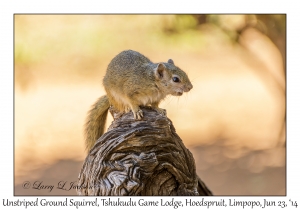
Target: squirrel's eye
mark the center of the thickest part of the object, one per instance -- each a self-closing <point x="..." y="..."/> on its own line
<point x="175" y="79"/>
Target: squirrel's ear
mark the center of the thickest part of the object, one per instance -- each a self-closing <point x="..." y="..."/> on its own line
<point x="171" y="61"/>
<point x="159" y="70"/>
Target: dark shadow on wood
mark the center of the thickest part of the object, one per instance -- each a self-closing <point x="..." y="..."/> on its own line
<point x="143" y="157"/>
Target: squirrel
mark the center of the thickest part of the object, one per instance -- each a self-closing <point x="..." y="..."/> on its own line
<point x="131" y="81"/>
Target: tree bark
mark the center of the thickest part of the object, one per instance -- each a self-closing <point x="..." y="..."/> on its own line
<point x="143" y="157"/>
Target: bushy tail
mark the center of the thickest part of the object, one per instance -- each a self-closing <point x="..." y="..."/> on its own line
<point x="95" y="122"/>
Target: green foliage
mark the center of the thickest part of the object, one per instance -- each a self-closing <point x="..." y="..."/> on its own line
<point x="75" y="43"/>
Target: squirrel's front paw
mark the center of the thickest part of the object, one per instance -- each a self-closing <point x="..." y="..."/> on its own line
<point x="138" y="115"/>
<point x="162" y="112"/>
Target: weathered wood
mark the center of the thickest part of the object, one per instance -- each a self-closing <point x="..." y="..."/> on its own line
<point x="143" y="157"/>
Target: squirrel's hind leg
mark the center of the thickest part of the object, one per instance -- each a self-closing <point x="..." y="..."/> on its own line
<point x="133" y="99"/>
<point x="127" y="109"/>
<point x="137" y="112"/>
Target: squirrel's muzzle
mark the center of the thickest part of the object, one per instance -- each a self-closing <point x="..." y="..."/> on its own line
<point x="188" y="87"/>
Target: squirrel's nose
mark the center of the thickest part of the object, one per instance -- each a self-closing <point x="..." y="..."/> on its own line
<point x="188" y="87"/>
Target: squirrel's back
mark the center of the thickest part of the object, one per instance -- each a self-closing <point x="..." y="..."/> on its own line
<point x="129" y="72"/>
<point x="128" y="58"/>
<point x="125" y="63"/>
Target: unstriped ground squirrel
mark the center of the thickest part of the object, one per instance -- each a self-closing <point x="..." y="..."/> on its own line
<point x="131" y="81"/>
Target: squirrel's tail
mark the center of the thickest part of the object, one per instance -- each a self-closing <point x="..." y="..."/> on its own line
<point x="95" y="122"/>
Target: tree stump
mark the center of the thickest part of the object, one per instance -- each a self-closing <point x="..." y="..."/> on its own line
<point x="143" y="158"/>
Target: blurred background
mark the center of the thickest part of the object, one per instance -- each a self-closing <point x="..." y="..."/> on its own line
<point x="233" y="120"/>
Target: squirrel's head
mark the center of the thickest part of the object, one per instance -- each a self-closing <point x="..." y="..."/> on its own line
<point x="172" y="79"/>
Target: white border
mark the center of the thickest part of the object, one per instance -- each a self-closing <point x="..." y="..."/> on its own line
<point x="8" y="8"/>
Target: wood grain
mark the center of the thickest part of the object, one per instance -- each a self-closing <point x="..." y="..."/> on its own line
<point x="143" y="157"/>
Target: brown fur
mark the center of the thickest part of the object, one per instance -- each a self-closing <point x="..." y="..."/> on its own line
<point x="131" y="81"/>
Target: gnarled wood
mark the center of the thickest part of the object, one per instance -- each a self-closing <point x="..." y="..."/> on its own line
<point x="143" y="157"/>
